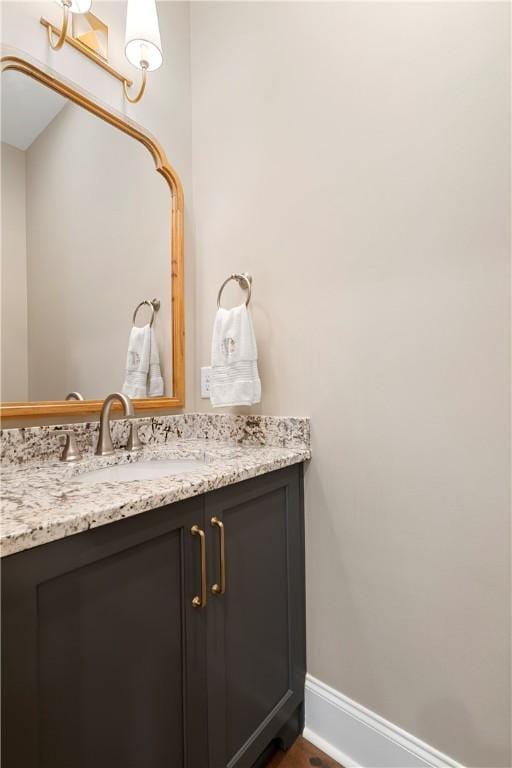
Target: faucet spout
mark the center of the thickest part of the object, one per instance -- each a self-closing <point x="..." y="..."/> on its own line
<point x="105" y="447"/>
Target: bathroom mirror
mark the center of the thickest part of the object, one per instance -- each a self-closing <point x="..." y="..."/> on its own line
<point x="89" y="231"/>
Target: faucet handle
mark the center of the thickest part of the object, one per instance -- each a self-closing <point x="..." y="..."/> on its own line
<point x="134" y="443"/>
<point x="71" y="451"/>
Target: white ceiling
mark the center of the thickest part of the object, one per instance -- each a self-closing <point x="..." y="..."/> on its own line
<point x="27" y="108"/>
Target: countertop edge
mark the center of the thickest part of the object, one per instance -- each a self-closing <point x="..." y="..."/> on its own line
<point x="189" y="486"/>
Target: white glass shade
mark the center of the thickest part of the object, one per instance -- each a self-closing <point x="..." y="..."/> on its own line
<point x="78" y="6"/>
<point x="142" y="41"/>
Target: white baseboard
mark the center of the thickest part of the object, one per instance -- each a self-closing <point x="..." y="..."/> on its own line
<point x="357" y="738"/>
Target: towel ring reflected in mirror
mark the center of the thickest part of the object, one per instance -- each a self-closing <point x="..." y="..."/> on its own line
<point x="155" y="306"/>
<point x="244" y="281"/>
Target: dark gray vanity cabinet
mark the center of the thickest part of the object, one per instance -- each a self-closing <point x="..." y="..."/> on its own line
<point x="107" y="662"/>
<point x="104" y="655"/>
<point x="256" y="640"/>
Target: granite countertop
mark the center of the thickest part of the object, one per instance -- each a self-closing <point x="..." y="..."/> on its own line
<point x="44" y="501"/>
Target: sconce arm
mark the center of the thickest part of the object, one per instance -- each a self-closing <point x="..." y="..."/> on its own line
<point x="66" y="5"/>
<point x="140" y="94"/>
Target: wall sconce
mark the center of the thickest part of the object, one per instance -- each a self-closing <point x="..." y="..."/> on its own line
<point x="143" y="46"/>
<point x="68" y="6"/>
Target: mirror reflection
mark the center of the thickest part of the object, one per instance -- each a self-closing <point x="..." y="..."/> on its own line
<point x="86" y="234"/>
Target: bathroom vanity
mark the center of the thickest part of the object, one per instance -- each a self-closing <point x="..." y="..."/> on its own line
<point x="173" y="637"/>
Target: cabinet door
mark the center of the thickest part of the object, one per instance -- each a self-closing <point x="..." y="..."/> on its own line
<point x="103" y="652"/>
<point x="256" y="635"/>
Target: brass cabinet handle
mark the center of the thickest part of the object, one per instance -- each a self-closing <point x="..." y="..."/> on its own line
<point x="200" y="601"/>
<point x="219" y="589"/>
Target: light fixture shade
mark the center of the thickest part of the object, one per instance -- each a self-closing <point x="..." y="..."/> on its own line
<point x="142" y="41"/>
<point x="78" y="6"/>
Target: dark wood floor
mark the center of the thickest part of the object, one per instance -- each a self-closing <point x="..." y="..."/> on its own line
<point x="302" y="755"/>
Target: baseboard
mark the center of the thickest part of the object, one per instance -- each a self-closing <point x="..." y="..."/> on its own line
<point x="328" y="748"/>
<point x="356" y="737"/>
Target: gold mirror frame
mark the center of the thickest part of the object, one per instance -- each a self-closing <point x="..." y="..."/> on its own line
<point x="162" y="166"/>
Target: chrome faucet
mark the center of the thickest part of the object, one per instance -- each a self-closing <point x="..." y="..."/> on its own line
<point x="105" y="447"/>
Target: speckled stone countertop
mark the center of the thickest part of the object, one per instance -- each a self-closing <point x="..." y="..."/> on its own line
<point x="44" y="499"/>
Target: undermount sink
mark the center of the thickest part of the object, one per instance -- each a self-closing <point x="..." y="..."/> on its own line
<point x="140" y="470"/>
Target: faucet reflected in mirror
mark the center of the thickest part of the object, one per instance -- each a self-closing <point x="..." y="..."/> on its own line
<point x="74" y="396"/>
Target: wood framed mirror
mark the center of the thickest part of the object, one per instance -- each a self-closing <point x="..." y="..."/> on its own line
<point x="88" y="243"/>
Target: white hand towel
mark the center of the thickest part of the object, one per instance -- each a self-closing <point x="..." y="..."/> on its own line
<point x="137" y="362"/>
<point x="143" y="363"/>
<point x="234" y="377"/>
<point x="156" y="382"/>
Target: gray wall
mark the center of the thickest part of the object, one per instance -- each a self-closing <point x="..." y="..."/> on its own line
<point x="14" y="379"/>
<point x="355" y="158"/>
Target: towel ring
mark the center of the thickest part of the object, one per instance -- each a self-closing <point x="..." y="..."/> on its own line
<point x="244" y="281"/>
<point x="155" y="306"/>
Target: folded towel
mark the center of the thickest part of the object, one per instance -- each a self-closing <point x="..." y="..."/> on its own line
<point x="234" y="376"/>
<point x="156" y="382"/>
<point x="142" y="361"/>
